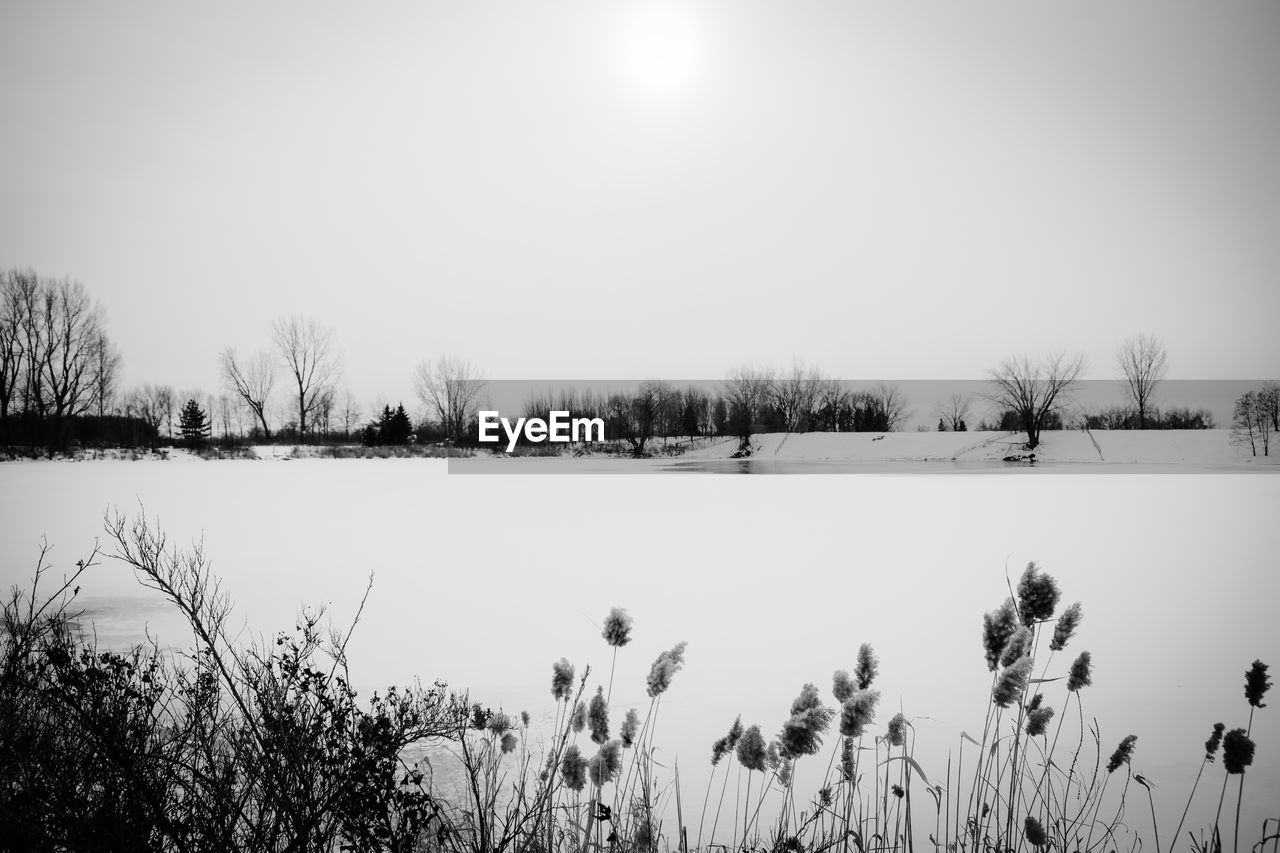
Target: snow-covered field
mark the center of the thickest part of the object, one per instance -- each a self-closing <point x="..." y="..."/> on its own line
<point x="484" y="581"/>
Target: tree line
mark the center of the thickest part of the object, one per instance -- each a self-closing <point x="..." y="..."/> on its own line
<point x="59" y="385"/>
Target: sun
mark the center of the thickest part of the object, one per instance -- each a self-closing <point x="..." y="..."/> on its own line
<point x="659" y="51"/>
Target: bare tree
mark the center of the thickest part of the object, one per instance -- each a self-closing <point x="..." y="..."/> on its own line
<point x="955" y="412"/>
<point x="890" y="404"/>
<point x="1269" y="401"/>
<point x="62" y="336"/>
<point x="1251" y="422"/>
<point x="252" y="382"/>
<point x="449" y="389"/>
<point x="1143" y="362"/>
<point x="152" y="404"/>
<point x="1035" y="389"/>
<point x="348" y="412"/>
<point x="746" y="389"/>
<point x="795" y="394"/>
<point x="311" y="358"/>
<point x="106" y="370"/>
<point x="833" y="398"/>
<point x="17" y="296"/>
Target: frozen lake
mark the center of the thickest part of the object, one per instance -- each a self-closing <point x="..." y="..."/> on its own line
<point x="774" y="581"/>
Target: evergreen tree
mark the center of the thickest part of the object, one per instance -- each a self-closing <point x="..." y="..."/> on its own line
<point x="194" y="425"/>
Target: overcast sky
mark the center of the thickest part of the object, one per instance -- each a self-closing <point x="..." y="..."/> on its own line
<point x="610" y="189"/>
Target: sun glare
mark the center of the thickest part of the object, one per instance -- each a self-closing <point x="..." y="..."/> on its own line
<point x="659" y="49"/>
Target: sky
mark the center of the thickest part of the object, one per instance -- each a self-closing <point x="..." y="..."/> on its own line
<point x="900" y="190"/>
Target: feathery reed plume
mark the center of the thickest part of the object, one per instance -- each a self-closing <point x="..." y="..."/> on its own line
<point x="598" y="717"/>
<point x="499" y="724"/>
<point x="1256" y="684"/>
<point x="801" y="735"/>
<point x="898" y="730"/>
<point x="1214" y="741"/>
<point x="1237" y="751"/>
<point x="1066" y="627"/>
<point x="1038" y="719"/>
<point x="773" y="755"/>
<point x="1036" y="701"/>
<point x="868" y="666"/>
<point x="664" y="669"/>
<point x="1037" y="595"/>
<point x="562" y="679"/>
<point x="630" y="725"/>
<point x="1081" y="672"/>
<point x="719" y="750"/>
<point x="997" y="627"/>
<point x="1122" y="754"/>
<point x="606" y="763"/>
<point x="784" y="772"/>
<point x="509" y="742"/>
<point x="751" y="749"/>
<point x="524" y="718"/>
<point x="579" y="721"/>
<point x="617" y="627"/>
<point x="1035" y="832"/>
<point x="573" y="768"/>
<point x="1018" y="645"/>
<point x="846" y="760"/>
<point x="1012" y="681"/>
<point x="842" y="685"/>
<point x="735" y="732"/>
<point x="858" y="712"/>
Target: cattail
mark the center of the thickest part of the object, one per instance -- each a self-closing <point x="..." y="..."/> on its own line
<point x="751" y="749"/>
<point x="1012" y="681"/>
<point x="842" y="685"/>
<point x="858" y="712"/>
<point x="630" y="724"/>
<point x="499" y="723"/>
<point x="1256" y="684"/>
<point x="665" y="668"/>
<point x="846" y="760"/>
<point x="868" y="666"/>
<point x="1066" y="627"/>
<point x="1214" y="741"/>
<point x="1081" y="672"/>
<point x="562" y="679"/>
<point x="606" y="763"/>
<point x="1237" y="751"/>
<point x="598" y="717"/>
<point x="801" y="735"/>
<point x="898" y="730"/>
<point x="509" y="741"/>
<point x="617" y="628"/>
<point x="1038" y="719"/>
<point x="1037" y="595"/>
<point x="1018" y="645"/>
<point x="719" y="750"/>
<point x="997" y="627"/>
<point x="579" y="721"/>
<point x="573" y="768"/>
<point x="1122" y="754"/>
<point x="735" y="732"/>
<point x="1035" y="832"/>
